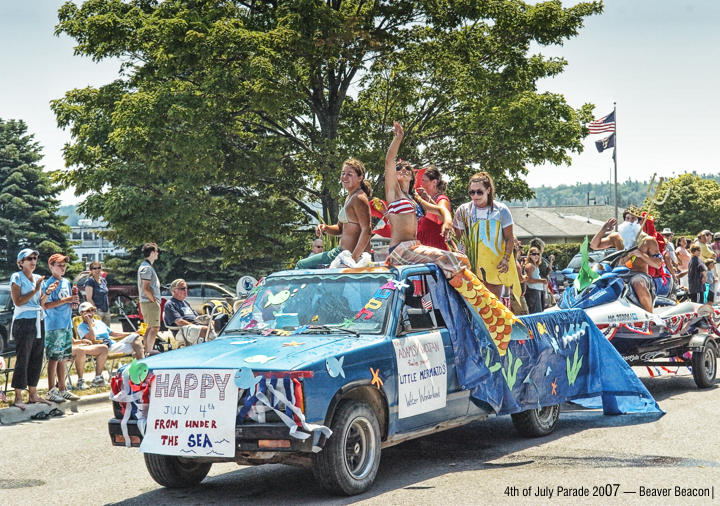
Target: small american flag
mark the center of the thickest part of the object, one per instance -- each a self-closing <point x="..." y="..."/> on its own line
<point x="426" y="302"/>
<point x="604" y="124"/>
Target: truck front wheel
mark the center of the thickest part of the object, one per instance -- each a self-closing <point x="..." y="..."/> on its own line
<point x="349" y="462"/>
<point x="536" y="422"/>
<point x="175" y="472"/>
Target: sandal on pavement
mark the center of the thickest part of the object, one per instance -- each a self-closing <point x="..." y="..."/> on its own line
<point x="40" y="415"/>
<point x="55" y="412"/>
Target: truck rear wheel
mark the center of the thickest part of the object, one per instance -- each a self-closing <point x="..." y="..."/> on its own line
<point x="536" y="422"/>
<point x="175" y="472"/>
<point x="704" y="365"/>
<point x="349" y="462"/>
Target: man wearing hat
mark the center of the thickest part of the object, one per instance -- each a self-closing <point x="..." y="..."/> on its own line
<point x="704" y="238"/>
<point x="58" y="327"/>
<point x="670" y="247"/>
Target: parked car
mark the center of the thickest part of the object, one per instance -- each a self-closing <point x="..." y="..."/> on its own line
<point x="7" y="343"/>
<point x="118" y="293"/>
<point x="202" y="293"/>
<point x="299" y="375"/>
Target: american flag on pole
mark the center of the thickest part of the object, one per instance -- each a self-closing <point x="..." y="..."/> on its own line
<point x="426" y="302"/>
<point x="604" y="124"/>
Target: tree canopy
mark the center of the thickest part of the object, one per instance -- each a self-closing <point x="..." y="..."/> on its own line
<point x="692" y="204"/>
<point x="230" y="120"/>
<point x="28" y="200"/>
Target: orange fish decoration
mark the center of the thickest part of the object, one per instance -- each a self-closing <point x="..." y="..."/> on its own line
<point x="498" y="318"/>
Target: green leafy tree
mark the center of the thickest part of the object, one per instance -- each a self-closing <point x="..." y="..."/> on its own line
<point x="230" y="121"/>
<point x="28" y="200"/>
<point x="692" y="204"/>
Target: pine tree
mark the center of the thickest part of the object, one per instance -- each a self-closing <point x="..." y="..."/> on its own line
<point x="28" y="200"/>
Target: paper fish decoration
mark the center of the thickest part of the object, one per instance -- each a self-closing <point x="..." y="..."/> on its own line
<point x="335" y="367"/>
<point x="277" y="298"/>
<point x="245" y="379"/>
<point x="138" y="371"/>
<point x="258" y="359"/>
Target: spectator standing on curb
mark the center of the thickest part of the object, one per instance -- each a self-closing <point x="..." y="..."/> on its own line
<point x="683" y="256"/>
<point x="96" y="291"/>
<point x="28" y="327"/>
<point x="58" y="328"/>
<point x="670" y="247"/>
<point x="696" y="275"/>
<point x="149" y="290"/>
<point x="706" y="252"/>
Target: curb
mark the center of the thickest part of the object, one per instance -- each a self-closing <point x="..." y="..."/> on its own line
<point x="13" y="415"/>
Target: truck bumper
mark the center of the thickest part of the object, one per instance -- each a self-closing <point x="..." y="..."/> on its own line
<point x="257" y="437"/>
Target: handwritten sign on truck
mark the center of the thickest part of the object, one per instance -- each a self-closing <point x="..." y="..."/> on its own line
<point x="192" y="413"/>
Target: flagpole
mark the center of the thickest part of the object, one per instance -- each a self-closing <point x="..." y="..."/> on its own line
<point x="615" y="160"/>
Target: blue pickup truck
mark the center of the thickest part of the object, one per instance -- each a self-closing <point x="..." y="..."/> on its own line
<point x="328" y="367"/>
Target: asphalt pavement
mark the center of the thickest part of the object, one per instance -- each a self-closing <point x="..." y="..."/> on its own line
<point x="589" y="459"/>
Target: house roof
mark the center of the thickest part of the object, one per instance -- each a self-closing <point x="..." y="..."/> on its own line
<point x="560" y="223"/>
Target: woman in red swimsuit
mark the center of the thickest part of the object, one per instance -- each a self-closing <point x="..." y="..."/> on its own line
<point x="429" y="231"/>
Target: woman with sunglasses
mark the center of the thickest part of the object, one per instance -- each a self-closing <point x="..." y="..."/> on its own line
<point x="495" y="238"/>
<point x="429" y="231"/>
<point x="27" y="328"/>
<point x="353" y="224"/>
<point x="96" y="291"/>
<point x="535" y="284"/>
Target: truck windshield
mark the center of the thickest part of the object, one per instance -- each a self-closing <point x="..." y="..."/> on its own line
<point x="289" y="302"/>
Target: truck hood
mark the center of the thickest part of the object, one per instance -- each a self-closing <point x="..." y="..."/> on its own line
<point x="264" y="353"/>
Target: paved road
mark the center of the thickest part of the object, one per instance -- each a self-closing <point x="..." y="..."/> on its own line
<point x="69" y="461"/>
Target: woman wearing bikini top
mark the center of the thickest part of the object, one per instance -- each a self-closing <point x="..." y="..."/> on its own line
<point x="353" y="224"/>
<point x="401" y="212"/>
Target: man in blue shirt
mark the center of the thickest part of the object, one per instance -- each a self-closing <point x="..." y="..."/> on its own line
<point x="58" y="328"/>
<point x="178" y="313"/>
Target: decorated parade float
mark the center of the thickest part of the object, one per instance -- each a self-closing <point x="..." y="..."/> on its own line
<point x="324" y="368"/>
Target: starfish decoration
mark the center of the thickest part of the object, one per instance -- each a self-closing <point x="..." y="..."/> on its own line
<point x="267" y="332"/>
<point x="388" y="286"/>
<point x="293" y="343"/>
<point x="282" y="332"/>
<point x="399" y="284"/>
<point x="554" y="386"/>
<point x="347" y="322"/>
<point x="376" y="378"/>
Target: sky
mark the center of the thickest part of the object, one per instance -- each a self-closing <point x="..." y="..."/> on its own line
<point x="653" y="58"/>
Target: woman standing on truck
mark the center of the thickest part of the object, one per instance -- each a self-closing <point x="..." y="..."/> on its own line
<point x="429" y="231"/>
<point x="96" y="291"/>
<point x="353" y="224"/>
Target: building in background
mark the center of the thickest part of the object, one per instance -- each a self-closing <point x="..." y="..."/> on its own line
<point x="92" y="246"/>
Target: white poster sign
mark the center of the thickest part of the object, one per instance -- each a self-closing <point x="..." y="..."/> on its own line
<point x="192" y="413"/>
<point x="422" y="374"/>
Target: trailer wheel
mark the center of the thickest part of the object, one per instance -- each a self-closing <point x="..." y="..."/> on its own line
<point x="704" y="365"/>
<point x="175" y="472"/>
<point x="537" y="422"/>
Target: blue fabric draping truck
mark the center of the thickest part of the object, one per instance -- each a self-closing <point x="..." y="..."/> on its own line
<point x="330" y="366"/>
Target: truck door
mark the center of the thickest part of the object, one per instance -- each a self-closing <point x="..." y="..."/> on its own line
<point x="428" y="390"/>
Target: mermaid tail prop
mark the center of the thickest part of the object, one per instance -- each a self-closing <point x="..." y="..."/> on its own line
<point x="498" y="318"/>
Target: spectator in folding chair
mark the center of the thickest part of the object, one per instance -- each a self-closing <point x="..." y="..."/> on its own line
<point x="81" y="348"/>
<point x="96" y="330"/>
<point x="181" y="318"/>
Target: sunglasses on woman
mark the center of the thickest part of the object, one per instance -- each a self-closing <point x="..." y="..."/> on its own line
<point x="479" y="193"/>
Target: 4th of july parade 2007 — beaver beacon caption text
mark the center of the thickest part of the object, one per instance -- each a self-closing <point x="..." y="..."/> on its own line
<point x="608" y="490"/>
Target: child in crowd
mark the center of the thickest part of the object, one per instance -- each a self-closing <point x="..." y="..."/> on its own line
<point x="710" y="281"/>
